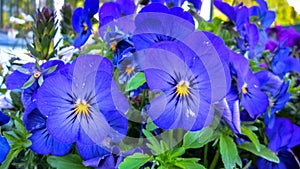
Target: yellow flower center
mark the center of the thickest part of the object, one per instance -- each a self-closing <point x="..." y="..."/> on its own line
<point x="244" y="89"/>
<point x="113" y="46"/>
<point x="129" y="70"/>
<point x="37" y="74"/>
<point x="81" y="107"/>
<point x="85" y="27"/>
<point x="182" y="88"/>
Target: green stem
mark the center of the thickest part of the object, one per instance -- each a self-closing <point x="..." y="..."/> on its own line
<point x="205" y="155"/>
<point x="215" y="160"/>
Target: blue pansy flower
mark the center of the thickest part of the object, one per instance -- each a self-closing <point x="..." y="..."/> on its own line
<point x="42" y="141"/>
<point x="249" y="33"/>
<point x="114" y="10"/>
<point x="254" y="100"/>
<point x="265" y="16"/>
<point x="186" y="81"/>
<point x="29" y="77"/>
<point x="123" y="48"/>
<point x="111" y="160"/>
<point x="4" y="146"/>
<point x="178" y="3"/>
<point x="156" y="23"/>
<point x="282" y="137"/>
<point x="85" y="104"/>
<point x="82" y="23"/>
<point x="283" y="63"/>
<point x="128" y="67"/>
<point x="279" y="94"/>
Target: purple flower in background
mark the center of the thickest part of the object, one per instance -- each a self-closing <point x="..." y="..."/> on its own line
<point x="282" y="137"/>
<point x="111" y="160"/>
<point x="42" y="141"/>
<point x="82" y="23"/>
<point x="85" y="104"/>
<point x="29" y="78"/>
<point x="156" y="23"/>
<point x="185" y="82"/>
<point x="178" y="3"/>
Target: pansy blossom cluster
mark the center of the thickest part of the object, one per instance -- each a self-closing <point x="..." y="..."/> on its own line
<point x="158" y="91"/>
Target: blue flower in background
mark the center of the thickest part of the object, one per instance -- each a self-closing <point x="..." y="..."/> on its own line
<point x="283" y="63"/>
<point x="156" y="23"/>
<point x="265" y="16"/>
<point x="114" y="10"/>
<point x="128" y="67"/>
<point x="85" y="104"/>
<point x="82" y="23"/>
<point x="3" y="118"/>
<point x="253" y="99"/>
<point x="42" y="141"/>
<point x="282" y="137"/>
<point x="123" y="48"/>
<point x="29" y="78"/>
<point x="279" y="94"/>
<point x="4" y="146"/>
<point x="111" y="160"/>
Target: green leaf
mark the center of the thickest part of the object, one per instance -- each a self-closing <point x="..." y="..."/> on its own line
<point x="51" y="69"/>
<point x="264" y="152"/>
<point x="23" y="70"/>
<point x="188" y="163"/>
<point x="178" y="152"/>
<point x="154" y="145"/>
<point x="136" y="81"/>
<point x="135" y="161"/>
<point x="252" y="136"/>
<point x="72" y="161"/>
<point x="197" y="139"/>
<point x="229" y="152"/>
<point x="29" y="82"/>
<point x="41" y="80"/>
<point x="10" y="157"/>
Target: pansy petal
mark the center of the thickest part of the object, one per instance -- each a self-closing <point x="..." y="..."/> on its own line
<point x="91" y="7"/>
<point x="91" y="151"/>
<point x="42" y="141"/>
<point x="255" y="102"/>
<point x="3" y="118"/>
<point x="109" y="9"/>
<point x="226" y="9"/>
<point x="4" y="147"/>
<point x="17" y="79"/>
<point x="77" y="20"/>
<point x="81" y="39"/>
<point x="128" y="6"/>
